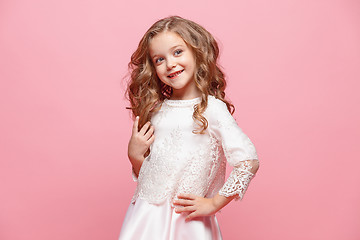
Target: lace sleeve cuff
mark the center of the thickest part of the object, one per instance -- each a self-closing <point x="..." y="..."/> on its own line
<point x="239" y="180"/>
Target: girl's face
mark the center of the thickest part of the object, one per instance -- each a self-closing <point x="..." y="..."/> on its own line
<point x="175" y="64"/>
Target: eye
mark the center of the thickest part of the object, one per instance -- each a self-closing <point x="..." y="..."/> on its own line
<point x="177" y="52"/>
<point x="158" y="59"/>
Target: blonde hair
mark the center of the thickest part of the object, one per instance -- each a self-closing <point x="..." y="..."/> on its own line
<point x="145" y="90"/>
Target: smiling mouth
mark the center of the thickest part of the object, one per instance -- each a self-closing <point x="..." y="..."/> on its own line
<point x="175" y="74"/>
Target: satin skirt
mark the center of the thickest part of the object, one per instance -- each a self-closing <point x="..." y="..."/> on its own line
<point x="145" y="221"/>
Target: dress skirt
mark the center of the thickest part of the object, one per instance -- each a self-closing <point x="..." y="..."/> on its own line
<point x="145" y="221"/>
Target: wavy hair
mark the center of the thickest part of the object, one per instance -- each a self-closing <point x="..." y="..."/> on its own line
<point x="146" y="91"/>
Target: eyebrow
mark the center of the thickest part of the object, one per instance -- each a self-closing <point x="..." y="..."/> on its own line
<point x="180" y="45"/>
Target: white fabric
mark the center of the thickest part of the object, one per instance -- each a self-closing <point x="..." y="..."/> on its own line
<point x="183" y="162"/>
<point x="145" y="221"/>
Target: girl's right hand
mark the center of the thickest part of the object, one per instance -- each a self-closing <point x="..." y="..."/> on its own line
<point x="139" y="143"/>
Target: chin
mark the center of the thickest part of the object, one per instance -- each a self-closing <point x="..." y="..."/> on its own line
<point x="177" y="86"/>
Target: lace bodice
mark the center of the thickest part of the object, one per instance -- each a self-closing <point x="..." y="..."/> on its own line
<point x="183" y="162"/>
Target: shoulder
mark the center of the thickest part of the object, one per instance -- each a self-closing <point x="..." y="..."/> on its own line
<point x="215" y="103"/>
<point x="158" y="109"/>
<point x="217" y="111"/>
<point x="216" y="106"/>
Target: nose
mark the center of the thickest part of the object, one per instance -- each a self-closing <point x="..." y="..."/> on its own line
<point x="170" y="64"/>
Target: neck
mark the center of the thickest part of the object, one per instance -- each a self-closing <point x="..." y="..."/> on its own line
<point x="179" y="95"/>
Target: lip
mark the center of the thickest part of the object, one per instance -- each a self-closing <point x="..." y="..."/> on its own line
<point x="175" y="72"/>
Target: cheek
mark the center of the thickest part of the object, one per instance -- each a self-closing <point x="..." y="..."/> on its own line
<point x="161" y="74"/>
<point x="158" y="74"/>
<point x="191" y="66"/>
<point x="190" y="63"/>
<point x="159" y="70"/>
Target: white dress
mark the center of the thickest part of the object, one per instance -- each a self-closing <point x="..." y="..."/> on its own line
<point x="183" y="162"/>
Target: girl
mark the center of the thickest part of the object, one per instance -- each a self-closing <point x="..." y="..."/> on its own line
<point x="182" y="137"/>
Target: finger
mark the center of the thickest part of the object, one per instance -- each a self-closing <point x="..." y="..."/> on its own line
<point x="183" y="202"/>
<point x="136" y="124"/>
<point x="186" y="196"/>
<point x="149" y="133"/>
<point x="152" y="139"/>
<point x="191" y="216"/>
<point x="185" y="209"/>
<point x="144" y="128"/>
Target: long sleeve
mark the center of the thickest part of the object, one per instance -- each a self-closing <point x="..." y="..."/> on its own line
<point x="239" y="179"/>
<point x="238" y="149"/>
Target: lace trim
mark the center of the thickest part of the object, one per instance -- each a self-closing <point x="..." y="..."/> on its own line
<point x="160" y="170"/>
<point x="182" y="103"/>
<point x="238" y="181"/>
<point x="174" y="168"/>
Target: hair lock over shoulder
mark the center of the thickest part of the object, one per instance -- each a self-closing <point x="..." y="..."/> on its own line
<point x="146" y="92"/>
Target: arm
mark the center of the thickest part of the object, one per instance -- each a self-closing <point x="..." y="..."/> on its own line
<point x="242" y="175"/>
<point x="139" y="145"/>
<point x="239" y="152"/>
<point x="239" y="179"/>
<point x="238" y="182"/>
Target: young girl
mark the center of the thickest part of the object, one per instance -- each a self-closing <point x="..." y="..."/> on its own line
<point x="182" y="137"/>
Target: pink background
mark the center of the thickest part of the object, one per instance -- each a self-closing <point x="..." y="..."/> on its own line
<point x="293" y="73"/>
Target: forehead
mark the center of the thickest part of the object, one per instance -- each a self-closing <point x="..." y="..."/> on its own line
<point x="164" y="41"/>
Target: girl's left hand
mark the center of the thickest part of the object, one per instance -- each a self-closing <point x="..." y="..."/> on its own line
<point x="197" y="206"/>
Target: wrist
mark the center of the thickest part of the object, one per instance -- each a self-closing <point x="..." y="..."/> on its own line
<point x="216" y="203"/>
<point x="136" y="162"/>
<point x="220" y="201"/>
<point x="136" y="159"/>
